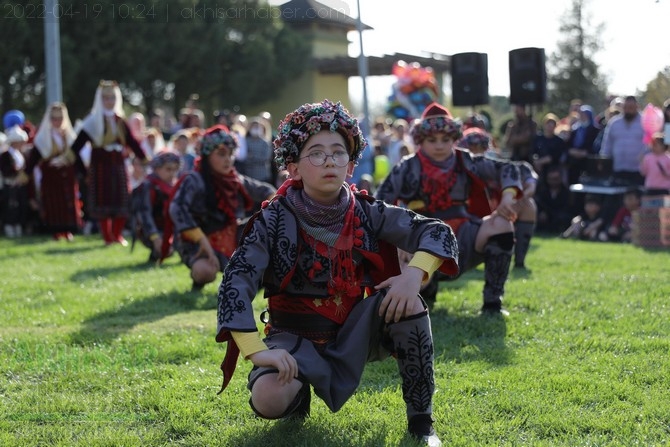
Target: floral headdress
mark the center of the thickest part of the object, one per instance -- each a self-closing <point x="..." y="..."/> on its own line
<point x="433" y="120"/>
<point x="309" y="119"/>
<point x="476" y="137"/>
<point x="216" y="136"/>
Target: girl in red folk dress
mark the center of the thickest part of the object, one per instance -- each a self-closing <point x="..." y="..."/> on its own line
<point x="60" y="208"/>
<point x="109" y="135"/>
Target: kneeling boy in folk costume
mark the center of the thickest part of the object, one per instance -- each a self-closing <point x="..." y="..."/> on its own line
<point x="449" y="183"/>
<point x="317" y="247"/>
<point x="208" y="205"/>
<point x="478" y="141"/>
<point x="149" y="202"/>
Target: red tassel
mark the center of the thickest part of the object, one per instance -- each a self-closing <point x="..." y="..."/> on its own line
<point x="229" y="363"/>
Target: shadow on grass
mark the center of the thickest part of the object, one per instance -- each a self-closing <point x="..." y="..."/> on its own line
<point x="463" y="336"/>
<point x="91" y="274"/>
<point x="466" y="338"/>
<point x="22" y="241"/>
<point x="291" y="433"/>
<point x="656" y="249"/>
<point x="109" y="325"/>
<point x="69" y="249"/>
<point x="520" y="273"/>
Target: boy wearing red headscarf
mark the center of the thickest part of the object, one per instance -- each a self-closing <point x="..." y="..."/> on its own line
<point x="149" y="201"/>
<point x="208" y="205"/>
<point x="449" y="183"/>
<point x="336" y="296"/>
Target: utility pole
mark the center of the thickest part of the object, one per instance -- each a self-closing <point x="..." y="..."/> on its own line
<point x="54" y="91"/>
<point x="363" y="73"/>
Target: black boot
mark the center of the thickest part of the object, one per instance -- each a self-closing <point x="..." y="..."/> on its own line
<point x="197" y="286"/>
<point x="421" y="428"/>
<point x="153" y="257"/>
<point x="523" y="233"/>
<point x="302" y="410"/>
<point x="497" y="259"/>
<point x="413" y="345"/>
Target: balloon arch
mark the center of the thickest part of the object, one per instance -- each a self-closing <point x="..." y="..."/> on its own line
<point x="414" y="89"/>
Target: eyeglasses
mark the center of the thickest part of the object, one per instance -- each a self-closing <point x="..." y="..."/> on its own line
<point x="318" y="158"/>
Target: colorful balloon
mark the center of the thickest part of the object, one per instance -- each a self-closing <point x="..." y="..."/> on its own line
<point x="652" y="121"/>
<point x="414" y="89"/>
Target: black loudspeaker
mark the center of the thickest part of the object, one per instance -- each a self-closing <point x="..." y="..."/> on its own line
<point x="527" y="76"/>
<point x="469" y="79"/>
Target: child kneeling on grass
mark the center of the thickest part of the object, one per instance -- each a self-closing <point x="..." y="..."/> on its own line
<point x="148" y="202"/>
<point x="209" y="205"/>
<point x="317" y="247"/>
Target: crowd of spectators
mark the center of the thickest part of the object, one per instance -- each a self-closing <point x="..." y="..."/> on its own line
<point x="579" y="147"/>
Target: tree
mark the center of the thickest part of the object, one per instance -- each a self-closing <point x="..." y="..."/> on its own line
<point x="229" y="52"/>
<point x="572" y="72"/>
<point x="21" y="59"/>
<point x="658" y="89"/>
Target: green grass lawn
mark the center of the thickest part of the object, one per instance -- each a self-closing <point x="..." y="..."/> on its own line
<point x="97" y="348"/>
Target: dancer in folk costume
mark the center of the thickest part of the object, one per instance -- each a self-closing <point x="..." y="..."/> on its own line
<point x="150" y="199"/>
<point x="326" y="256"/>
<point x="110" y="138"/>
<point x="60" y="207"/>
<point x="16" y="117"/>
<point x="478" y="141"/>
<point x="449" y="183"/>
<point x="14" y="194"/>
<point x="209" y="204"/>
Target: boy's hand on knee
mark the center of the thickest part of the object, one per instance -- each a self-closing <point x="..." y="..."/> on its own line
<point x="506" y="211"/>
<point x="206" y="251"/>
<point x="402" y="298"/>
<point x="280" y="359"/>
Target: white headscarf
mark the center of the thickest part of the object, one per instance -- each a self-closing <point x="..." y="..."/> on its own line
<point x="45" y="132"/>
<point x="94" y="123"/>
<point x="15" y="135"/>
